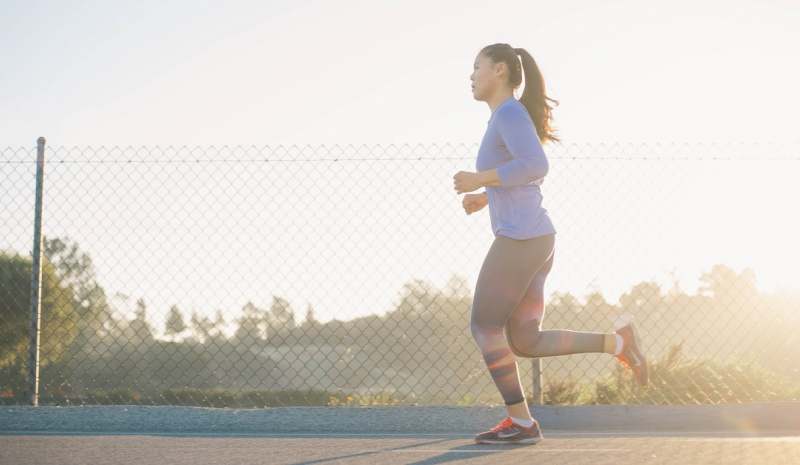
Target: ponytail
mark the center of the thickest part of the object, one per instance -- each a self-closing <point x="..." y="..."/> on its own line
<point x="533" y="97"/>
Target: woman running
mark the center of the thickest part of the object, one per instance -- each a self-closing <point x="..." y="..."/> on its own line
<point x="508" y="305"/>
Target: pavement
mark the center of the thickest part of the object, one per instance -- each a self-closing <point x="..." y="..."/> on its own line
<point x="761" y="433"/>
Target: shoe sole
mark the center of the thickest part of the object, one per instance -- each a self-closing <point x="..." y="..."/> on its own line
<point x="515" y="441"/>
<point x="640" y="354"/>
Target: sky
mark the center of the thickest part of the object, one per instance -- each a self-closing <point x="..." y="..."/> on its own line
<point x="305" y="72"/>
<point x="96" y="75"/>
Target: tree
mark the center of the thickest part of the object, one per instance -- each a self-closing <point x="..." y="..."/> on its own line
<point x="175" y="324"/>
<point x="281" y="314"/>
<point x="311" y="319"/>
<point x="457" y="287"/>
<point x="417" y="297"/>
<point x="75" y="268"/>
<point x="643" y="297"/>
<point x="58" y="321"/>
<point x="251" y="326"/>
<point x="140" y="326"/>
<point x="202" y="326"/>
<point x="725" y="284"/>
<point x="219" y="324"/>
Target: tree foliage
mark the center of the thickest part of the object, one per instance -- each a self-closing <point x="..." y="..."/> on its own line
<point x="174" y="324"/>
<point x="76" y="270"/>
<point x="58" y="321"/>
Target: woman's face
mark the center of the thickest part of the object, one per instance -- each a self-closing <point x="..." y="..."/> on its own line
<point x="486" y="76"/>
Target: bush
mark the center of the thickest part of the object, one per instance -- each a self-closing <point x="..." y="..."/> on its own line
<point x="676" y="379"/>
<point x="561" y="392"/>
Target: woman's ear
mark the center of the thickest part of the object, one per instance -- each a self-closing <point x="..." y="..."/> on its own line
<point x="500" y="69"/>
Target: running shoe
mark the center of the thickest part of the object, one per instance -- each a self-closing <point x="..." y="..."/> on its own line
<point x="632" y="355"/>
<point x="508" y="432"/>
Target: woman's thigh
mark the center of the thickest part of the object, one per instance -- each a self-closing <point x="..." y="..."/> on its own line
<point x="506" y="275"/>
<point x="532" y="305"/>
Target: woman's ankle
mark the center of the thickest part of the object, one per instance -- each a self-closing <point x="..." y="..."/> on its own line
<point x="610" y="344"/>
<point x="520" y="411"/>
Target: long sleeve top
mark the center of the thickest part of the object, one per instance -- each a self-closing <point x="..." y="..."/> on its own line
<point x="512" y="146"/>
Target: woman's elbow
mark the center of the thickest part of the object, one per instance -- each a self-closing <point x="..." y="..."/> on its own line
<point x="539" y="170"/>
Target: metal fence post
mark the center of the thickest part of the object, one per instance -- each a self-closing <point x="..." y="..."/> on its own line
<point x="36" y="281"/>
<point x="537" y="381"/>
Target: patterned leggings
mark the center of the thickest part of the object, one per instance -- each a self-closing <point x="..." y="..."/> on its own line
<point x="508" y="308"/>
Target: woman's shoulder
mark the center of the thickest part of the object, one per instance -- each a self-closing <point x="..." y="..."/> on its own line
<point x="511" y="109"/>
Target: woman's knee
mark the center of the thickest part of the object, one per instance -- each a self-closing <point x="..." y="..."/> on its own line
<point x="479" y="328"/>
<point x="482" y="330"/>
<point x="524" y="337"/>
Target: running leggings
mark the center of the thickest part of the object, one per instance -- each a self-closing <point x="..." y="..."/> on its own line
<point x="508" y="308"/>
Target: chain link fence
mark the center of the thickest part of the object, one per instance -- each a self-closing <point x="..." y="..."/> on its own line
<point x="343" y="275"/>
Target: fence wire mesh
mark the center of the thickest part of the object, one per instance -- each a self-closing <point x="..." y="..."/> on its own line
<point x="343" y="275"/>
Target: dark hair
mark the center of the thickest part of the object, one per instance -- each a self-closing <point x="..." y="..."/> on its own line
<point x="533" y="97"/>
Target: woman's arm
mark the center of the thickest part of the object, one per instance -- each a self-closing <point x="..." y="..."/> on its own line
<point x="529" y="163"/>
<point x="519" y="136"/>
<point x="489" y="178"/>
<point x="464" y="181"/>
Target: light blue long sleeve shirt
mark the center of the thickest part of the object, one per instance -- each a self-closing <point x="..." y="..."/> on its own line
<point x="512" y="146"/>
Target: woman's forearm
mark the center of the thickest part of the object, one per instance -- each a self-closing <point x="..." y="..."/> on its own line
<point x="489" y="178"/>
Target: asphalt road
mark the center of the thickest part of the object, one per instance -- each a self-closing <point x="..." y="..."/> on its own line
<point x="742" y="434"/>
<point x="558" y="447"/>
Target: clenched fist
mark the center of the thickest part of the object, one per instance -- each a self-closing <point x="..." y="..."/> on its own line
<point x="466" y="182"/>
<point x="474" y="202"/>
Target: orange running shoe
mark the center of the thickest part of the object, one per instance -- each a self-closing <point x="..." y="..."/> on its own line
<point x="632" y="355"/>
<point x="508" y="432"/>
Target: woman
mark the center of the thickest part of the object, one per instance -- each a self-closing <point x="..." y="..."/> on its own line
<point x="508" y="305"/>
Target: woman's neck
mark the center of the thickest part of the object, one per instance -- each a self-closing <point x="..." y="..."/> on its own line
<point x="499" y="97"/>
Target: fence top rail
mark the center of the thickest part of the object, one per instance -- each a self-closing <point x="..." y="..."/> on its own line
<point x="400" y="152"/>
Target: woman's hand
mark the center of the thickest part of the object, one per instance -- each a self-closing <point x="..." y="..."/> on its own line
<point x="467" y="182"/>
<point x="474" y="202"/>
